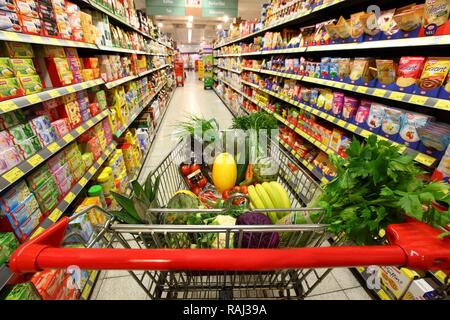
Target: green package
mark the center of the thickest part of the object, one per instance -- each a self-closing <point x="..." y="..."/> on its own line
<point x="38" y="177"/>
<point x="46" y="190"/>
<point x="6" y="69"/>
<point x="29" y="147"/>
<point x="21" y="132"/>
<point x="11" y="119"/>
<point x="23" y="291"/>
<point x="8" y="244"/>
<point x="9" y="88"/>
<point x="23" y="67"/>
<point x="31" y="84"/>
<point x="100" y="96"/>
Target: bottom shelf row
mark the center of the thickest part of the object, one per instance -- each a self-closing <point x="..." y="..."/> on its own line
<point x="54" y="188"/>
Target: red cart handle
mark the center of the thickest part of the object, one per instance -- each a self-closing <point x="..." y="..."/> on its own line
<point x="412" y="244"/>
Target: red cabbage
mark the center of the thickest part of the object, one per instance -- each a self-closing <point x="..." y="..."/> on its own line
<point x="256" y="239"/>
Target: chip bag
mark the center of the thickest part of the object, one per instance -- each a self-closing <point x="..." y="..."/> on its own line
<point x="434" y="73"/>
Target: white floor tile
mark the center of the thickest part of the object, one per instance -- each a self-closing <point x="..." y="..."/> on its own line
<point x="345" y="278"/>
<point x="337" y="295"/>
<point x="119" y="273"/>
<point x="122" y="288"/>
<point x="357" y="294"/>
<point x="328" y="284"/>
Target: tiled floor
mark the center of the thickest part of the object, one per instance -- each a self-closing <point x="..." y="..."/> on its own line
<point x="340" y="284"/>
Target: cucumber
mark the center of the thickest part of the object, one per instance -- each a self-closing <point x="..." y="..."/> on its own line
<point x="242" y="160"/>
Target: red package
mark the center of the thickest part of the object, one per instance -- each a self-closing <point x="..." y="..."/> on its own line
<point x="30" y="25"/>
<point x="94" y="109"/>
<point x="48" y="283"/>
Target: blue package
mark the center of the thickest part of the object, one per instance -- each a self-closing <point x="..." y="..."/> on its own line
<point x="81" y="226"/>
<point x="334" y="68"/>
<point x="22" y="211"/>
<point x="14" y="196"/>
<point x="325" y="67"/>
<point x="29" y="225"/>
<point x="314" y="96"/>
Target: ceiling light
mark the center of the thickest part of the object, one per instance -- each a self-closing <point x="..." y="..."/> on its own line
<point x="189" y="25"/>
<point x="190" y="18"/>
<point x="225" y="19"/>
<point x="219" y="27"/>
<point x="160" y="24"/>
<point x="189" y="35"/>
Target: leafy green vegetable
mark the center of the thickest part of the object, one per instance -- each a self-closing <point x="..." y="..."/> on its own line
<point x="198" y="127"/>
<point x="375" y="187"/>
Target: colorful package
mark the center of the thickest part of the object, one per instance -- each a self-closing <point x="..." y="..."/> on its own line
<point x="49" y="28"/>
<point x="8" y="5"/>
<point x="14" y="196"/>
<point x="22" y="291"/>
<point x="81" y="226"/>
<point x="5" y="140"/>
<point x="25" y="230"/>
<point x="409" y="71"/>
<point x="40" y="124"/>
<point x="29" y="147"/>
<point x="434" y="73"/>
<point x="65" y="186"/>
<point x="9" y="158"/>
<point x="46" y="11"/>
<point x="38" y="177"/>
<point x="338" y="103"/>
<point x="23" y="211"/>
<point x="9" y="21"/>
<point x="10" y="88"/>
<point x="48" y="283"/>
<point x="27" y="8"/>
<point x="62" y="174"/>
<point x="6" y="68"/>
<point x="442" y="172"/>
<point x="56" y="162"/>
<point x="47" y="136"/>
<point x="386" y="71"/>
<point x="391" y="123"/>
<point x="410" y="122"/>
<point x="376" y="116"/>
<point x="8" y="244"/>
<point x="61" y="127"/>
<point x="30" y="25"/>
<point x="350" y="108"/>
<point x="19" y="49"/>
<point x="31" y="84"/>
<point x="434" y="138"/>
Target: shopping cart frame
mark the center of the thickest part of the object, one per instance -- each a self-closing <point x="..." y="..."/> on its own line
<point x="175" y="269"/>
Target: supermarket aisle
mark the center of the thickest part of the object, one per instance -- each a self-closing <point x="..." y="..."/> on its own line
<point x="193" y="99"/>
<point x="190" y="99"/>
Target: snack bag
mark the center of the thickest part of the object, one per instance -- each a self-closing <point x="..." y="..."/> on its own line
<point x="330" y="28"/>
<point x="391" y="123"/>
<point x="387" y="23"/>
<point x="434" y="73"/>
<point x="363" y="113"/>
<point x="343" y="28"/>
<point x="376" y="116"/>
<point x="409" y="71"/>
<point x="370" y="23"/>
<point x="386" y="71"/>
<point x="344" y="66"/>
<point x="436" y="12"/>
<point x="410" y="123"/>
<point x="410" y="19"/>
<point x="350" y="108"/>
<point x="356" y="25"/>
<point x="360" y="70"/>
<point x="338" y="103"/>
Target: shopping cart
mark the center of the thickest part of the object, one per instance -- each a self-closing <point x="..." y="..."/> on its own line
<point x="175" y="268"/>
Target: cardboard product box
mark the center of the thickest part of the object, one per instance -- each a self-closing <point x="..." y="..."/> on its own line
<point x="29" y="147"/>
<point x="30" y="25"/>
<point x="396" y="281"/>
<point x="71" y="111"/>
<point x="50" y="28"/>
<point x="8" y="5"/>
<point x="421" y="289"/>
<point x="10" y="88"/>
<point x="9" y="21"/>
<point x="22" y="212"/>
<point x="81" y="226"/>
<point x="59" y="70"/>
<point x="37" y="177"/>
<point x="27" y="8"/>
<point x="19" y="49"/>
<point x="25" y="230"/>
<point x="31" y="84"/>
<point x="46" y="11"/>
<point x="14" y="196"/>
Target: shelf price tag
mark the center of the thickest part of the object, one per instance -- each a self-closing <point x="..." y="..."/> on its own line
<point x="53" y="147"/>
<point x="54" y="93"/>
<point x="90" y="123"/>
<point x="341" y="123"/>
<point x="361" y="89"/>
<point x="396" y="95"/>
<point x="13" y="175"/>
<point x="352" y="127"/>
<point x="379" y="92"/>
<point x="35" y="160"/>
<point x="424" y="159"/>
<point x="442" y="104"/>
<point x="7" y="106"/>
<point x="70" y="197"/>
<point x="68" y="138"/>
<point x="54" y="216"/>
<point x="82" y="182"/>
<point x="34" y="98"/>
<point x="418" y="99"/>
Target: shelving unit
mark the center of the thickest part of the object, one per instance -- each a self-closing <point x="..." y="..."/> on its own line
<point x="12" y="176"/>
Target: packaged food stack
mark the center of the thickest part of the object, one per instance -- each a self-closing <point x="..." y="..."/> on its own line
<point x="119" y="171"/>
<point x="68" y="108"/>
<point x="42" y="183"/>
<point x="23" y="291"/>
<point x="74" y="17"/>
<point x="98" y="96"/>
<point x="61" y="173"/>
<point x="75" y="64"/>
<point x="90" y="142"/>
<point x="101" y="22"/>
<point x="20" y="207"/>
<point x="48" y="16"/>
<point x="62" y="19"/>
<point x="107" y="181"/>
<point x="89" y="30"/>
<point x="58" y="66"/>
<point x="132" y="139"/>
<point x="75" y="161"/>
<point x="29" y="17"/>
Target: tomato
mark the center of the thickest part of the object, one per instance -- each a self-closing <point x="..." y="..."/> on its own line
<point x="226" y="195"/>
<point x="185" y="169"/>
<point x="196" y="190"/>
<point x="195" y="167"/>
<point x="237" y="189"/>
<point x="238" y="201"/>
<point x="202" y="182"/>
<point x="244" y="189"/>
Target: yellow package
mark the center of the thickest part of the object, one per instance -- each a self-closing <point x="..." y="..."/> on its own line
<point x="434" y="72"/>
<point x="95" y="216"/>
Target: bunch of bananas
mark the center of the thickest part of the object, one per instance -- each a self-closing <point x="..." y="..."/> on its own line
<point x="270" y="195"/>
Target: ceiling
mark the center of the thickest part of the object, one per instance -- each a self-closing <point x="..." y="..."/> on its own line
<point x="203" y="28"/>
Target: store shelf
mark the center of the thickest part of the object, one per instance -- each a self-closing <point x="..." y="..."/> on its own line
<point x="313" y="169"/>
<point x="119" y="133"/>
<point x="232" y="86"/>
<point x="115" y="83"/>
<point x="10" y="177"/>
<point x="415" y="99"/>
<point x="86" y="292"/>
<point x="74" y="192"/>
<point x="280" y="23"/>
<point x="231" y="70"/>
<point x="122" y="50"/>
<point x="29" y="38"/>
<point x="28" y="100"/>
<point x="226" y="105"/>
<point x="418" y="156"/>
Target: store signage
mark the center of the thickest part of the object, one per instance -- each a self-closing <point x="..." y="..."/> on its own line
<point x="196" y="8"/>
